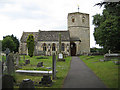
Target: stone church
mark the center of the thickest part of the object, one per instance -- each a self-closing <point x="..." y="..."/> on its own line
<point x="74" y="41"/>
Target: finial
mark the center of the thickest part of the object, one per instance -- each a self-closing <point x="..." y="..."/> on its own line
<point x="78" y="8"/>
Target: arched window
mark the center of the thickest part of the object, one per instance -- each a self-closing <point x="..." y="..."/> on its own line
<point x="53" y="47"/>
<point x="63" y="47"/>
<point x="44" y="47"/>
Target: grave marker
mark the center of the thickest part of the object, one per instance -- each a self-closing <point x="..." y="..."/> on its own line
<point x="54" y="66"/>
<point x="7" y="51"/>
<point x="17" y="58"/>
<point x="10" y="64"/>
<point x="26" y="83"/>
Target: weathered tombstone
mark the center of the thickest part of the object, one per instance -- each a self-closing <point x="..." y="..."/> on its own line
<point x="46" y="80"/>
<point x="26" y="83"/>
<point x="117" y="62"/>
<point x="10" y="64"/>
<point x="17" y="59"/>
<point x="40" y="64"/>
<point x="60" y="55"/>
<point x="7" y="81"/>
<point x="54" y="66"/>
<point x="7" y="51"/>
<point x="27" y="61"/>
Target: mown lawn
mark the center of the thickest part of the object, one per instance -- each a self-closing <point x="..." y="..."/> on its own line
<point x="61" y="67"/>
<point x="106" y="71"/>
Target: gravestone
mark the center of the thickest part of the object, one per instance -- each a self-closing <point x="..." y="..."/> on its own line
<point x="40" y="64"/>
<point x="7" y="51"/>
<point x="7" y="81"/>
<point x="26" y="83"/>
<point x="117" y="62"/>
<point x="27" y="61"/>
<point x="54" y="66"/>
<point x="60" y="55"/>
<point x="17" y="59"/>
<point x="46" y="80"/>
<point x="10" y="64"/>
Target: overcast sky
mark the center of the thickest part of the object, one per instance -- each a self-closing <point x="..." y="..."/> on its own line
<point x="17" y="16"/>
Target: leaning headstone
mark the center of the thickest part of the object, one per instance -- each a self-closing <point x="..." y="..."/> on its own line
<point x="7" y="51"/>
<point x="7" y="81"/>
<point x="40" y="64"/>
<point x="54" y="66"/>
<point x="27" y="61"/>
<point x="26" y="83"/>
<point x="17" y="59"/>
<point x="10" y="64"/>
<point x="60" y="55"/>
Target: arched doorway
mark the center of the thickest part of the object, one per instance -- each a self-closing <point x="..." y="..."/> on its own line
<point x="73" y="48"/>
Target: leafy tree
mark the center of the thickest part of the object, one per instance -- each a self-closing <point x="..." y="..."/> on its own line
<point x="30" y="45"/>
<point x="8" y="43"/>
<point x="16" y="41"/>
<point x="107" y="30"/>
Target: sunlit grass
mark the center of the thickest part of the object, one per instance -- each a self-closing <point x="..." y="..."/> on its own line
<point x="106" y="71"/>
<point x="61" y="67"/>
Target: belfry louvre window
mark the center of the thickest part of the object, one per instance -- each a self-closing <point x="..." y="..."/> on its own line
<point x="53" y="47"/>
<point x="44" y="47"/>
<point x="73" y="20"/>
<point x="63" y="47"/>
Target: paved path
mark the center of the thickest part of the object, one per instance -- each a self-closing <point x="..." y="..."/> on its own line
<point x="80" y="76"/>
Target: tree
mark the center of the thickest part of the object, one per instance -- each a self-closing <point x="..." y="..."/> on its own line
<point x="107" y="30"/>
<point x="16" y="41"/>
<point x="8" y="43"/>
<point x="30" y="45"/>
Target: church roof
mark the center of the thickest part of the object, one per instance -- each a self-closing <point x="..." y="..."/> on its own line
<point x="25" y="35"/>
<point x="53" y="35"/>
<point x="46" y="36"/>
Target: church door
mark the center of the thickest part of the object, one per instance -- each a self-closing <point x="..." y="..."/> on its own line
<point x="73" y="49"/>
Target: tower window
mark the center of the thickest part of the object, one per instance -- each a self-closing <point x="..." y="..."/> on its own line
<point x="83" y="19"/>
<point x="73" y="20"/>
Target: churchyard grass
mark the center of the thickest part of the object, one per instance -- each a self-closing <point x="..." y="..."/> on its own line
<point x="106" y="71"/>
<point x="61" y="67"/>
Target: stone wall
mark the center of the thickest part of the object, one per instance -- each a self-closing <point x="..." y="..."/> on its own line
<point x="79" y="28"/>
<point x="23" y="48"/>
<point x="39" y="48"/>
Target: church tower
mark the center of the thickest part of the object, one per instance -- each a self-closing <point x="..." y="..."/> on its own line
<point x="78" y="26"/>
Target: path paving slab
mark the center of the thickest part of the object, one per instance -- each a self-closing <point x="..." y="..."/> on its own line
<point x="80" y="76"/>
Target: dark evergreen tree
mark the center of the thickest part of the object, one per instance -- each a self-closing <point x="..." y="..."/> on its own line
<point x="30" y="45"/>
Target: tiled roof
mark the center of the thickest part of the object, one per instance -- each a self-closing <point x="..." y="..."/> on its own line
<point x="25" y="35"/>
<point x="46" y="36"/>
<point x="53" y="35"/>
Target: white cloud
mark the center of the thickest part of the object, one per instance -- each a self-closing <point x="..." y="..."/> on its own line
<point x="17" y="16"/>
